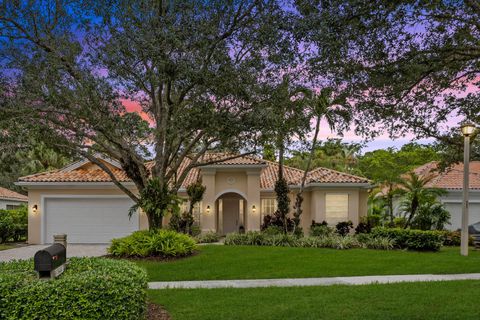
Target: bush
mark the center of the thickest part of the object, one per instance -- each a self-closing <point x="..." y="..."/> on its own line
<point x="13" y="224"/>
<point x="276" y="221"/>
<point x="90" y="288"/>
<point x="454" y="238"/>
<point x="412" y="239"/>
<point x="159" y="243"/>
<point x="273" y="230"/>
<point x="344" y="227"/>
<point x="367" y="223"/>
<point x="371" y="242"/>
<point x="207" y="237"/>
<point x="320" y="231"/>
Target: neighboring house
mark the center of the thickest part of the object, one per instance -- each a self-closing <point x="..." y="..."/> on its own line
<point x="452" y="181"/>
<point x="11" y="200"/>
<point x="81" y="201"/>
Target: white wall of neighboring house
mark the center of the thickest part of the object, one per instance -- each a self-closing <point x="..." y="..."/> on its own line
<point x="5" y="202"/>
<point x="453" y="203"/>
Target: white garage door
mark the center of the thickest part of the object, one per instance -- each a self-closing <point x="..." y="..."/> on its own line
<point x="88" y="220"/>
<point x="455" y="210"/>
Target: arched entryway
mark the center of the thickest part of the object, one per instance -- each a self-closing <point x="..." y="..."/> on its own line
<point x="231" y="215"/>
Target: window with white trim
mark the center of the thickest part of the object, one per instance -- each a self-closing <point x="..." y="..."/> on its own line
<point x="336" y="208"/>
<point x="185" y="205"/>
<point x="269" y="206"/>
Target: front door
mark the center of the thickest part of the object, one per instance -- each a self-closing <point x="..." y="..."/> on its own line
<point x="231" y="209"/>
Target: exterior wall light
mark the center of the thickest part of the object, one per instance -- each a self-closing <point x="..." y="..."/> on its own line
<point x="254" y="209"/>
<point x="208" y="209"/>
<point x="34" y="208"/>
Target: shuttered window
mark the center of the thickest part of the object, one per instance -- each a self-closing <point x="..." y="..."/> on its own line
<point x="336" y="208"/>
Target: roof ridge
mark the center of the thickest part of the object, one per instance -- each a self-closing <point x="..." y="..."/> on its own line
<point x="285" y="166"/>
<point x="33" y="175"/>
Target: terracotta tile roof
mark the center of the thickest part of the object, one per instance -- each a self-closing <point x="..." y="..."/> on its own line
<point x="268" y="174"/>
<point x="452" y="177"/>
<point x="245" y="160"/>
<point x="11" y="195"/>
<point x="324" y="175"/>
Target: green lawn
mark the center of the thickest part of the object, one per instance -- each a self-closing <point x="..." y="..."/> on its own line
<point x="436" y="300"/>
<point x="248" y="262"/>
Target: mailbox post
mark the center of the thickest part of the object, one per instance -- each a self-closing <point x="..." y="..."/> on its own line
<point x="49" y="263"/>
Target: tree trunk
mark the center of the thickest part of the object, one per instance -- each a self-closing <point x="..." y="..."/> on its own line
<point x="299" y="197"/>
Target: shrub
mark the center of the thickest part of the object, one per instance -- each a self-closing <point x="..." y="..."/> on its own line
<point x="273" y="230"/>
<point x="320" y="230"/>
<point x="412" y="239"/>
<point x="367" y="223"/>
<point x="90" y="288"/>
<point x="344" y="227"/>
<point x="161" y="243"/>
<point x="13" y="224"/>
<point x="371" y="242"/>
<point x="207" y="237"/>
<point x="399" y="222"/>
<point x="276" y="221"/>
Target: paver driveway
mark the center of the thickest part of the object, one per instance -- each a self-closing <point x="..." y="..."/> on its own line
<point x="73" y="250"/>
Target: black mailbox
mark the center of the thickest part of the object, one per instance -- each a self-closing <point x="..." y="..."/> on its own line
<point x="50" y="262"/>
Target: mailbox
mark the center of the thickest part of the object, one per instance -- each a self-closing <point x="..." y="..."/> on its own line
<point x="50" y="262"/>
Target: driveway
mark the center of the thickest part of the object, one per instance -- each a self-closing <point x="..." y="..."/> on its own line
<point x="73" y="250"/>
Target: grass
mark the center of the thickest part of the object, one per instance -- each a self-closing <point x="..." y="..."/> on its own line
<point x="5" y="246"/>
<point x="434" y="300"/>
<point x="249" y="262"/>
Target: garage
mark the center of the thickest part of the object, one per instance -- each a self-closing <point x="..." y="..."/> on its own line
<point x="88" y="219"/>
<point x="455" y="209"/>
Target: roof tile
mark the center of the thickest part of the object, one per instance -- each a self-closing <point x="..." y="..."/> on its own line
<point x="11" y="195"/>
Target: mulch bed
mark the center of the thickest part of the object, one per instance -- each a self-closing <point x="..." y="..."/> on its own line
<point x="156" y="312"/>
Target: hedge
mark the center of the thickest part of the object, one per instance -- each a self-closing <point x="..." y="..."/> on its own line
<point x="412" y="239"/>
<point x="90" y="288"/>
<point x="13" y="224"/>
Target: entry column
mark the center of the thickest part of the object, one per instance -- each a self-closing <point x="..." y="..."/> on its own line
<point x="208" y="213"/>
<point x="253" y="200"/>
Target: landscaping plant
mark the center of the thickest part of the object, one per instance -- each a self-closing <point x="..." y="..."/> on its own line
<point x="207" y="237"/>
<point x="412" y="239"/>
<point x="90" y="288"/>
<point x="156" y="243"/>
<point x="343" y="228"/>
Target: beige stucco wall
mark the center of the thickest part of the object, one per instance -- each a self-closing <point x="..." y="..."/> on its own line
<point x="356" y="202"/>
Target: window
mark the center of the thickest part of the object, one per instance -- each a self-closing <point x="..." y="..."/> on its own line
<point x="185" y="205"/>
<point x="269" y="206"/>
<point x="336" y="208"/>
<point x="12" y="206"/>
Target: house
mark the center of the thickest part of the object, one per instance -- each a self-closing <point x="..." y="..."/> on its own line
<point x="451" y="179"/>
<point x="11" y="200"/>
<point x="81" y="201"/>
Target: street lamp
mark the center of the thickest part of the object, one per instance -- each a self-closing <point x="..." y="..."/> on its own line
<point x="467" y="130"/>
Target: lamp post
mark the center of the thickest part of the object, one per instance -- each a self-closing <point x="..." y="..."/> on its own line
<point x="467" y="130"/>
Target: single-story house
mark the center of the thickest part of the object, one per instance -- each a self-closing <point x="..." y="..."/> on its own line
<point x="11" y="200"/>
<point x="81" y="201"/>
<point x="451" y="179"/>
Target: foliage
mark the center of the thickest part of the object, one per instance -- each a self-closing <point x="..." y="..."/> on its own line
<point x="283" y="203"/>
<point x="319" y="230"/>
<point x="13" y="224"/>
<point x="343" y="228"/>
<point x="156" y="200"/>
<point x="415" y="194"/>
<point x="367" y="223"/>
<point x="190" y="74"/>
<point x="431" y="216"/>
<point x="207" y="237"/>
<point x="454" y="238"/>
<point x="332" y="153"/>
<point x="412" y="239"/>
<point x="90" y="288"/>
<point x="153" y="243"/>
<point x="404" y="79"/>
<point x="272" y="230"/>
<point x="195" y="192"/>
<point x="375" y="242"/>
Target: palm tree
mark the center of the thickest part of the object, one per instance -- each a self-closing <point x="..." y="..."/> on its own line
<point x="322" y="106"/>
<point x="415" y="192"/>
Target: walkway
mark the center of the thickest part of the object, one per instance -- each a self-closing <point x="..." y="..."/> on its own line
<point x="305" y="282"/>
<point x="73" y="250"/>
